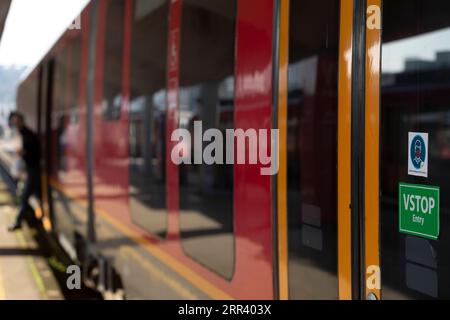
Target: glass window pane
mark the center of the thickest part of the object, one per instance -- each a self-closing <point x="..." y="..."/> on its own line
<point x="113" y="61"/>
<point x="73" y="107"/>
<point x="415" y="97"/>
<point x="207" y="95"/>
<point x="312" y="148"/>
<point x="58" y="116"/>
<point x="147" y="117"/>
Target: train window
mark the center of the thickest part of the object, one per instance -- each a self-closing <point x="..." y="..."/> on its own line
<point x="147" y="116"/>
<point x="58" y="114"/>
<point x="65" y="109"/>
<point x="312" y="149"/>
<point x="415" y="96"/>
<point x="74" y="81"/>
<point x="207" y="95"/>
<point x="113" y="61"/>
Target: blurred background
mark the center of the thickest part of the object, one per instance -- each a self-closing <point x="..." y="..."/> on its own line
<point x="28" y="29"/>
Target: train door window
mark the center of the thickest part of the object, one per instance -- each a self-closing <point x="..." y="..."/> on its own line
<point x="64" y="140"/>
<point x="415" y="98"/>
<point x="207" y="95"/>
<point x="65" y="106"/>
<point x="312" y="149"/>
<point x="74" y="82"/>
<point x="113" y="61"/>
<point x="147" y="115"/>
<point x="58" y="115"/>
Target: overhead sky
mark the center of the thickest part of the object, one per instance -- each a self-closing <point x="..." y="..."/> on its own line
<point x="33" y="26"/>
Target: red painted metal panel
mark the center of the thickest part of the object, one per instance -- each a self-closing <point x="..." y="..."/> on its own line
<point x="253" y="216"/>
<point x="126" y="62"/>
<point x="75" y="181"/>
<point x="110" y="137"/>
<point x="173" y="104"/>
<point x="253" y="194"/>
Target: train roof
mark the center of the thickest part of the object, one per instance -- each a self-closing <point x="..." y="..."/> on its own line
<point x="66" y="36"/>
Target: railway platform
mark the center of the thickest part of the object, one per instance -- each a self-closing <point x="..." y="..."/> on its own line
<point x="24" y="270"/>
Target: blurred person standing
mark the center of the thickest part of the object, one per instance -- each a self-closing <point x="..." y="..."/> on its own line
<point x="30" y="153"/>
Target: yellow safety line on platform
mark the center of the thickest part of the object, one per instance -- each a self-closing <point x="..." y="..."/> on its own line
<point x="150" y="267"/>
<point x="191" y="276"/>
<point x="33" y="269"/>
<point x="176" y="266"/>
<point x="173" y="284"/>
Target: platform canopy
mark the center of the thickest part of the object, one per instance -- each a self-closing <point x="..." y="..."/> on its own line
<point x="4" y="8"/>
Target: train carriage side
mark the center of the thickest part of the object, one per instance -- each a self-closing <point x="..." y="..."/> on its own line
<point x="344" y="95"/>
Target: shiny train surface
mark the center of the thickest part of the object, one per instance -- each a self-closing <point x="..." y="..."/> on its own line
<point x="344" y="82"/>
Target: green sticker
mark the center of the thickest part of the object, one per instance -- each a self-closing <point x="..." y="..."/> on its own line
<point x="419" y="210"/>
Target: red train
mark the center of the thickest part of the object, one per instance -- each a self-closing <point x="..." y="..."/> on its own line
<point x="107" y="97"/>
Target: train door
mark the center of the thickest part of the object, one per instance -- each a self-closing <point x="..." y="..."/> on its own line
<point x="44" y="108"/>
<point x="67" y="141"/>
<point x="109" y="122"/>
<point x="314" y="188"/>
<point x="407" y="96"/>
<point x="55" y="127"/>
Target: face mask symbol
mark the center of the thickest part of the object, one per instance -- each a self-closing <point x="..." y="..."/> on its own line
<point x="418" y="149"/>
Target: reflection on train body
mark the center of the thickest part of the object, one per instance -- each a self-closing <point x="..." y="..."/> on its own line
<point x="106" y="97"/>
<point x="147" y="129"/>
<point x="415" y="97"/>
<point x="312" y="149"/>
<point x="207" y="95"/>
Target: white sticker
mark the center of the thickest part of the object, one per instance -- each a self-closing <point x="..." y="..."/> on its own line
<point x="418" y="154"/>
